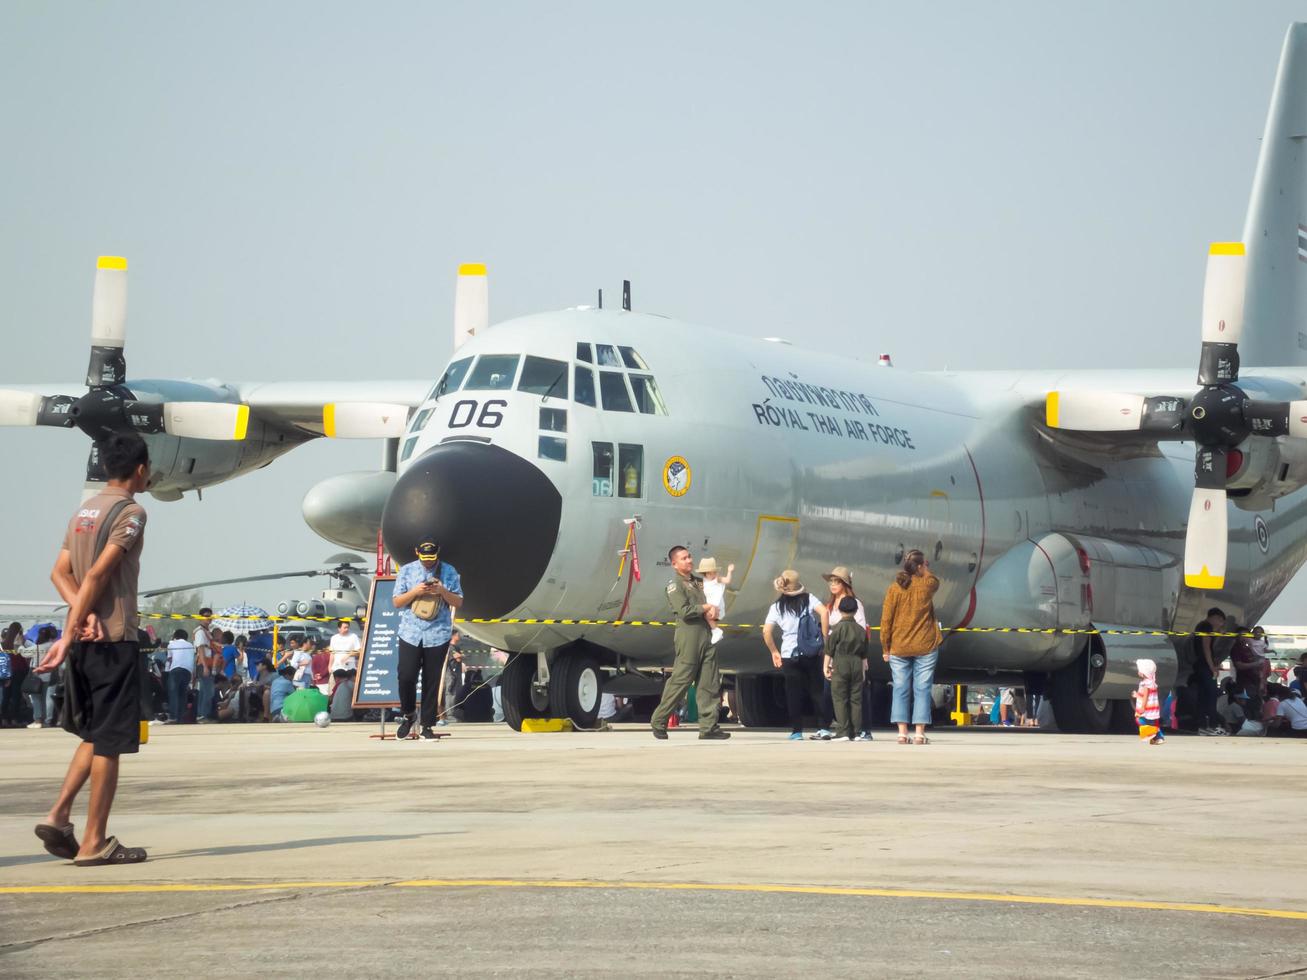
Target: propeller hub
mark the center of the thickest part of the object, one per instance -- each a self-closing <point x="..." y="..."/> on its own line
<point x="1216" y="416"/>
<point x="100" y="412"/>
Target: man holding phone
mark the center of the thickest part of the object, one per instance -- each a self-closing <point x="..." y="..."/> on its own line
<point x="427" y="591"/>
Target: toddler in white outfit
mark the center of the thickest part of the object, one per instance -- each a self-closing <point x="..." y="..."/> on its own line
<point x="714" y="588"/>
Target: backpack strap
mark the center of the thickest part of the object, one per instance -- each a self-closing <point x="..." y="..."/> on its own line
<point x="106" y="528"/>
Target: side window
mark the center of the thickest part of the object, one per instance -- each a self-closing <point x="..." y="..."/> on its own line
<point x="553" y="419"/>
<point x="409" y="445"/>
<point x="585" y="386"/>
<point x="420" y="420"/>
<point x="583" y="353"/>
<point x="630" y="470"/>
<point x="607" y="356"/>
<point x="648" y="399"/>
<point x="601" y="483"/>
<point x="493" y="372"/>
<point x="613" y="389"/>
<point x="632" y="359"/>
<point x="452" y="378"/>
<point x="551" y="447"/>
<point x="541" y="376"/>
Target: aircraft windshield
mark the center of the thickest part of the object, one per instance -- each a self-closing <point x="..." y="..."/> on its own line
<point x="452" y="378"/>
<point x="585" y="386"/>
<point x="648" y="399"/>
<point x="541" y="376"/>
<point x="613" y="388"/>
<point x="493" y="372"/>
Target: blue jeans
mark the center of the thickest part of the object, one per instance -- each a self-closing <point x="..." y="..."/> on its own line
<point x="912" y="680"/>
<point x="179" y="682"/>
<point x="204" y="697"/>
<point x="43" y="704"/>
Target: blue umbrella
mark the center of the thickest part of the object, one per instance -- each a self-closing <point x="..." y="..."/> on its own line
<point x="31" y="634"/>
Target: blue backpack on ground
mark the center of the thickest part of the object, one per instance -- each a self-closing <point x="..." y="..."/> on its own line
<point x="810" y="642"/>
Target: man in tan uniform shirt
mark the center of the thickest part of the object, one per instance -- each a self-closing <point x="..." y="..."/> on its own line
<point x="96" y="574"/>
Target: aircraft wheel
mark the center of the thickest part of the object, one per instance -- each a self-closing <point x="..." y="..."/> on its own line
<point x="756" y="701"/>
<point x="516" y="691"/>
<point x="575" y="688"/>
<point x="1073" y="707"/>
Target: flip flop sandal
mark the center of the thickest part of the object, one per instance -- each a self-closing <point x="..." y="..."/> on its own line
<point x="921" y="740"/>
<point x="113" y="853"/>
<point x="59" y="841"/>
<point x="903" y="740"/>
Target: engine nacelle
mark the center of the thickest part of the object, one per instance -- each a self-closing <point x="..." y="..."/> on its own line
<point x="346" y="509"/>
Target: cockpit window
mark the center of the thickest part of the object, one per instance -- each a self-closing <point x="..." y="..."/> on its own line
<point x="583" y="353"/>
<point x="607" y="356"/>
<point x="420" y="420"/>
<point x="493" y="372"/>
<point x="613" y="388"/>
<point x="452" y="378"/>
<point x="541" y="376"/>
<point x="585" y="386"/>
<point x="648" y="399"/>
<point x="633" y="360"/>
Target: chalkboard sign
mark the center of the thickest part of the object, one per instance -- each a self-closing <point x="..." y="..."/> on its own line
<point x="378" y="679"/>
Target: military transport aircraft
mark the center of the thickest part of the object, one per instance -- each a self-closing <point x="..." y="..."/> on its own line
<point x="1059" y="500"/>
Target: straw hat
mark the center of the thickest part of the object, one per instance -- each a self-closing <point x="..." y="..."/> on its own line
<point x="841" y="573"/>
<point x="706" y="565"/>
<point x="788" y="583"/>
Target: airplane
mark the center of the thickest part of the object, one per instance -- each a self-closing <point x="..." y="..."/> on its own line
<point x="1096" y="510"/>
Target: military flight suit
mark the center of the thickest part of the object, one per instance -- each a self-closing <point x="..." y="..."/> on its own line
<point x="696" y="658"/>
<point x="848" y="652"/>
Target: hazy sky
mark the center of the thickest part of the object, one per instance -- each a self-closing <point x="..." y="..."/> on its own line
<point x="294" y="184"/>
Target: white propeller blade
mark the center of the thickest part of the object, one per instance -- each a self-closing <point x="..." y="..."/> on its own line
<point x="1205" y="540"/>
<point x="109" y="302"/>
<point x="19" y="407"/>
<point x="206" y="420"/>
<point x="471" y="302"/>
<point x="1094" y="411"/>
<point x="1223" y="291"/>
<point x="1298" y="420"/>
<point x="364" y="420"/>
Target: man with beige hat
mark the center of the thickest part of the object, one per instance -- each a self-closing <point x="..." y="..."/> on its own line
<point x="696" y="660"/>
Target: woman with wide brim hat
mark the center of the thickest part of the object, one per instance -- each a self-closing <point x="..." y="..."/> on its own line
<point x="840" y="581"/>
<point x="802" y="674"/>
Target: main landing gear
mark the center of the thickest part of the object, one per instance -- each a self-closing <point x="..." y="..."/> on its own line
<point x="567" y="685"/>
<point x="1075" y="708"/>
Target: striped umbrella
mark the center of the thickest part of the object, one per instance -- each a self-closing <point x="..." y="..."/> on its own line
<point x="242" y="619"/>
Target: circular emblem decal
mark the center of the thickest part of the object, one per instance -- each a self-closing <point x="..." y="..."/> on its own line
<point x="676" y="476"/>
<point x="1263" y="534"/>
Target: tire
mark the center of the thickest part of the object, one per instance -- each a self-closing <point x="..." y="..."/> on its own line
<point x="756" y="701"/>
<point x="1076" y="712"/>
<point x="575" y="689"/>
<point x="515" y="691"/>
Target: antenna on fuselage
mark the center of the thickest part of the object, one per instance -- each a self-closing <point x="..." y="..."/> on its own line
<point x="601" y="299"/>
<point x="626" y="295"/>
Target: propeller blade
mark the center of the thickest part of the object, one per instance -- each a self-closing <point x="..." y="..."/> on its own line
<point x="29" y="408"/>
<point x="108" y="323"/>
<point x="364" y="420"/>
<point x="1223" y="295"/>
<point x="1205" y="539"/>
<point x="471" y="302"/>
<point x="204" y="420"/>
<point x="231" y="581"/>
<point x="1114" y="411"/>
<point x="1298" y="419"/>
<point x="1267" y="418"/>
<point x="19" y="407"/>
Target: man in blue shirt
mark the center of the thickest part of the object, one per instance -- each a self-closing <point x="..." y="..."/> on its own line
<point x="427" y="591"/>
<point x="281" y="687"/>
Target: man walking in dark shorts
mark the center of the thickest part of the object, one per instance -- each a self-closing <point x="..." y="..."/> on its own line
<point x="96" y="574"/>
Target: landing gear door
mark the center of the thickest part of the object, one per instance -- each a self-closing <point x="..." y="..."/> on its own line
<point x="774" y="546"/>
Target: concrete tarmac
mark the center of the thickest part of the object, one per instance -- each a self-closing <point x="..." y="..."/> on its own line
<point x="291" y="849"/>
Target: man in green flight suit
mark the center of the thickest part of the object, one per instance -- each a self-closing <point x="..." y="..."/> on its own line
<point x="696" y="659"/>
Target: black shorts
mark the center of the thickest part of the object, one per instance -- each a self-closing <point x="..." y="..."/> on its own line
<point x="103" y="696"/>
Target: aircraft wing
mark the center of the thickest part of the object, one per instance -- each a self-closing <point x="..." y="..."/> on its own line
<point x="301" y="403"/>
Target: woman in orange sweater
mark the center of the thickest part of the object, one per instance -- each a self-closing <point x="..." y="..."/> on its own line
<point x="910" y="638"/>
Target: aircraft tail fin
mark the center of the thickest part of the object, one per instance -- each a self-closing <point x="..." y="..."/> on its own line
<point x="1275" y="232"/>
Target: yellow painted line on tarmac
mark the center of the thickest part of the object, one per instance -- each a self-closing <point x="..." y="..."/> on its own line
<point x="674" y="886"/>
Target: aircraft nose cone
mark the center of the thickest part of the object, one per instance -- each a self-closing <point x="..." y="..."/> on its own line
<point x="494" y="514"/>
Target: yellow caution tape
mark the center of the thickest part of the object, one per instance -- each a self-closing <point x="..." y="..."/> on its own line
<point x="623" y="623"/>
